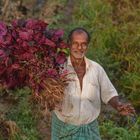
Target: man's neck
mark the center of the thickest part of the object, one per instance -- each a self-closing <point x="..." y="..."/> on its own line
<point x="76" y="60"/>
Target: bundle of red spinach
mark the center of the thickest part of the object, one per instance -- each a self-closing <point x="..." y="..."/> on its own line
<point x="33" y="55"/>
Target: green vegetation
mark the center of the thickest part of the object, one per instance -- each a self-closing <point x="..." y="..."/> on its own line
<point x="22" y="114"/>
<point x="115" y="42"/>
<point x="111" y="131"/>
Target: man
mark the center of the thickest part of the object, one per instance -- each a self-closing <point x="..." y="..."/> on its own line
<point x="89" y="86"/>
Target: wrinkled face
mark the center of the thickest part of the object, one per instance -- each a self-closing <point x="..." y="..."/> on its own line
<point x="79" y="45"/>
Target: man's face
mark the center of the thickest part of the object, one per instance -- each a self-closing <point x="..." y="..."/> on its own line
<point x="79" y="45"/>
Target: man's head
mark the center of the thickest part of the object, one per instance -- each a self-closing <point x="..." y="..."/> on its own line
<point x="78" y="40"/>
<point x="78" y="30"/>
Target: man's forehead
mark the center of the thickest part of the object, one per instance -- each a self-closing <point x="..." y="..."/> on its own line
<point x="77" y="34"/>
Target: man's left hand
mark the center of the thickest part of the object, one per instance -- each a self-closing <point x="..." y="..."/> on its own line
<point x="126" y="109"/>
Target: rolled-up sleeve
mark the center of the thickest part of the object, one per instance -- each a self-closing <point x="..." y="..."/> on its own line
<point x="106" y="87"/>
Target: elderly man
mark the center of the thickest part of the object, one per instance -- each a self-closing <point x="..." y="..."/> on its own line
<point x="89" y="86"/>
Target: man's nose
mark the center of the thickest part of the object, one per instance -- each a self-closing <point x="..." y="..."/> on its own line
<point x="79" y="46"/>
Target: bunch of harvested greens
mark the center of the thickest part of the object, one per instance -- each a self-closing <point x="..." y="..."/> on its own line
<point x="33" y="55"/>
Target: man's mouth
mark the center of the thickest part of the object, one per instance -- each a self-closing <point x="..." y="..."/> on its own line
<point x="79" y="52"/>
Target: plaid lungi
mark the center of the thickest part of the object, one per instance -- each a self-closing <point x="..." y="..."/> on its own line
<point x="64" y="131"/>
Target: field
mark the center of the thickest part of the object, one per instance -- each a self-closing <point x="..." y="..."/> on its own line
<point x="114" y="27"/>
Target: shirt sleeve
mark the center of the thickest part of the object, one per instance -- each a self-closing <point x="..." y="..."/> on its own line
<point x="106" y="87"/>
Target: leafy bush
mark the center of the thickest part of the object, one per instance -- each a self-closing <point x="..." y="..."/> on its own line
<point x="111" y="131"/>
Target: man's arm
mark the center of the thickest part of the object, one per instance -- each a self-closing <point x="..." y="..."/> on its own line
<point x="109" y="95"/>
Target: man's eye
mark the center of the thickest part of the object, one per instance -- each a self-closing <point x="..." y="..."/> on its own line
<point x="84" y="44"/>
<point x="74" y="44"/>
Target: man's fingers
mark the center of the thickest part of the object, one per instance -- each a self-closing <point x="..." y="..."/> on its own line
<point x="126" y="109"/>
<point x="130" y="108"/>
<point x="124" y="113"/>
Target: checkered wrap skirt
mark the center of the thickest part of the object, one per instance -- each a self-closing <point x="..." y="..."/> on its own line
<point x="64" y="131"/>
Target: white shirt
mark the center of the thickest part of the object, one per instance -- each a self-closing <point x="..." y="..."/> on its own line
<point x="83" y="106"/>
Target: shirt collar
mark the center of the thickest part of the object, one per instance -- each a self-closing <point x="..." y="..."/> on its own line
<point x="86" y="61"/>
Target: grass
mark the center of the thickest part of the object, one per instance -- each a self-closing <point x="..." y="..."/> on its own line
<point x="22" y="114"/>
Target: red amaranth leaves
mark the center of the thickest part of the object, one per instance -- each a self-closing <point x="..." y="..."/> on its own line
<point x="3" y="29"/>
<point x="29" y="54"/>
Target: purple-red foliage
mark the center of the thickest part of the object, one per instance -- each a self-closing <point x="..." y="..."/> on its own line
<point x="30" y="53"/>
